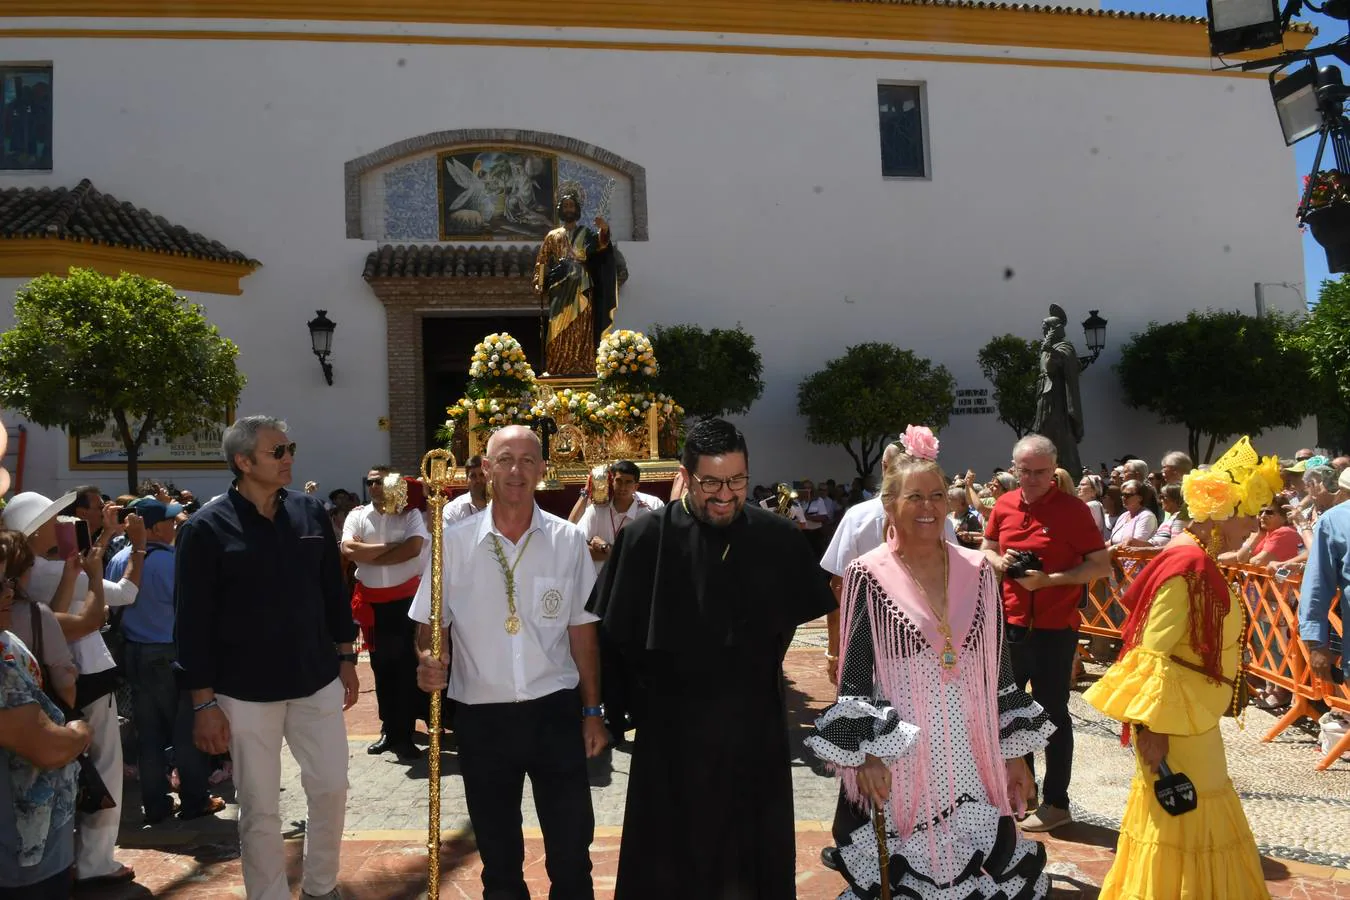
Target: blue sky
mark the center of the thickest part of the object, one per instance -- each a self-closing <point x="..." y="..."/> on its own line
<point x="1314" y="259"/>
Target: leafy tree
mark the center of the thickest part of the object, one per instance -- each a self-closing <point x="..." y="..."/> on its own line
<point x="88" y="349"/>
<point x="1325" y="336"/>
<point x="1013" y="365"/>
<point x="709" y="373"/>
<point x="1220" y="374"/>
<point x="872" y="392"/>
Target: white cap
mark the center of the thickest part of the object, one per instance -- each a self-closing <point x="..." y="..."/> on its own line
<point x="29" y="511"/>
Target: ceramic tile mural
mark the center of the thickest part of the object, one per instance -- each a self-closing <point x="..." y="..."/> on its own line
<point x="597" y="188"/>
<point x="410" y="202"/>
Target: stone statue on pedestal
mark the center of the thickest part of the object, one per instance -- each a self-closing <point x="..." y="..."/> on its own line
<point x="1059" y="408"/>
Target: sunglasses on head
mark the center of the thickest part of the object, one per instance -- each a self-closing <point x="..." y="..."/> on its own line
<point x="280" y="450"/>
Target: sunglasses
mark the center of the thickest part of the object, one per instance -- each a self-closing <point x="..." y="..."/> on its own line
<point x="280" y="450"/>
<point x="371" y="482"/>
<point x="1130" y="494"/>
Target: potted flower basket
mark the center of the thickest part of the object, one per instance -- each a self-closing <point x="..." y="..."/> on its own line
<point x="1326" y="211"/>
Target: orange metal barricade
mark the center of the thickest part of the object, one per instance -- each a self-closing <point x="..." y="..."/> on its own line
<point x="1274" y="651"/>
<point x="1337" y="696"/>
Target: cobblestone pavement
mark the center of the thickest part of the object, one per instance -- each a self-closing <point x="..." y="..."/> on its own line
<point x="1298" y="814"/>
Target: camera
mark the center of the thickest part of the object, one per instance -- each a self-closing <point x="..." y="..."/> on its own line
<point x="1024" y="561"/>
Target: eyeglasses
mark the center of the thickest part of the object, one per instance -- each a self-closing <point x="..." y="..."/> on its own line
<point x="1129" y="493"/>
<point x="1033" y="473"/>
<point x="370" y="482"/>
<point x="280" y="450"/>
<point x="715" y="485"/>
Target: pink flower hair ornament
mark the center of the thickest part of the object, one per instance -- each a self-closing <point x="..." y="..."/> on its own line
<point x="920" y="442"/>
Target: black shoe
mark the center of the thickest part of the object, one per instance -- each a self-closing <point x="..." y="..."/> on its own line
<point x="406" y="751"/>
<point x="830" y="859"/>
<point x="379" y="746"/>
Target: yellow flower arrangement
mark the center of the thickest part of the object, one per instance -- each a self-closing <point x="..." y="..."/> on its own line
<point x="1210" y="495"/>
<point x="501" y="356"/>
<point x="626" y="354"/>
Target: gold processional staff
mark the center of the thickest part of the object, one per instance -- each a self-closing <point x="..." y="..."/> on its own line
<point x="437" y="467"/>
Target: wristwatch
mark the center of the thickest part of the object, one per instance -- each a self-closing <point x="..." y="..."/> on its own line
<point x="347" y="657"/>
<point x="589" y="711"/>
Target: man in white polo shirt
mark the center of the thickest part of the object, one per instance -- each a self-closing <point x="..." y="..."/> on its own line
<point x="474" y="500"/>
<point x="602" y="522"/>
<point x="526" y="673"/>
<point x="388" y="549"/>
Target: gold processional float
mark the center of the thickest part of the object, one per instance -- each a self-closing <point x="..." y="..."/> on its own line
<point x="584" y="424"/>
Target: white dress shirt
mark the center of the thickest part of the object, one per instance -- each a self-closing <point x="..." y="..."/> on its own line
<point x="818" y="506"/>
<point x="553" y="579"/>
<point x="461" y="508"/>
<point x="862" y="530"/>
<point x="369" y="526"/>
<point x="90" y="652"/>
<point x="605" y="522"/>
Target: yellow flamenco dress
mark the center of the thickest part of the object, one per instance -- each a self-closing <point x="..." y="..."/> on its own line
<point x="1208" y="853"/>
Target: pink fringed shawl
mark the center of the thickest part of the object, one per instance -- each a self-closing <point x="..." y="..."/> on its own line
<point x="906" y="646"/>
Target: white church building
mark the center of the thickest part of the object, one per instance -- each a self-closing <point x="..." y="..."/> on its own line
<point x="822" y="172"/>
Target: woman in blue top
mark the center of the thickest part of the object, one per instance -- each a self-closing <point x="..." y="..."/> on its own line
<point x="37" y="768"/>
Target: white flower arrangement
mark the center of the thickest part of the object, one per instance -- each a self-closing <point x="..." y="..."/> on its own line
<point x="625" y="354"/>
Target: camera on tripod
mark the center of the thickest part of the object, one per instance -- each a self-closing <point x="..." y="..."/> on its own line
<point x="1024" y="561"/>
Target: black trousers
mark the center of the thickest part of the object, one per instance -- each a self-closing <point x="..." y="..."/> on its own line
<point x="394" y="663"/>
<point x="500" y="744"/>
<point x="1045" y="659"/>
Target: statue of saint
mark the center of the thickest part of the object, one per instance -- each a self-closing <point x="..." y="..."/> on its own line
<point x="577" y="273"/>
<point x="1059" y="409"/>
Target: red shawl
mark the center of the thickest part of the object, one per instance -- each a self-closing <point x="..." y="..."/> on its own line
<point x="1209" y="599"/>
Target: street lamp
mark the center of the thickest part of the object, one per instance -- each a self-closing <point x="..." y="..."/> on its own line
<point x="321" y="336"/>
<point x="1094" y="333"/>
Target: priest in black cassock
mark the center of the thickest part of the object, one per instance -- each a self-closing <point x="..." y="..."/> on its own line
<point x="702" y="598"/>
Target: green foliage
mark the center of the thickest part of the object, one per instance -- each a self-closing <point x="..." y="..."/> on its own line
<point x="88" y="349"/>
<point x="1013" y="365"/>
<point x="1325" y="337"/>
<point x="1220" y="374"/>
<point x="709" y="373"/>
<point x="859" y="400"/>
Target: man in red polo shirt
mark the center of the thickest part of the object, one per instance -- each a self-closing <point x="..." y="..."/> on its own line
<point x="1041" y="609"/>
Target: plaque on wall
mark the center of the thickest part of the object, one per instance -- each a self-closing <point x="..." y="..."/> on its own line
<point x="195" y="450"/>
<point x="496" y="193"/>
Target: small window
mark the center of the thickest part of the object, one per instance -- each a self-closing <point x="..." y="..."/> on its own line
<point x="900" y="115"/>
<point x="25" y="117"/>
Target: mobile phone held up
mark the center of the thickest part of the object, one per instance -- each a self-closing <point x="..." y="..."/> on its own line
<point x="72" y="537"/>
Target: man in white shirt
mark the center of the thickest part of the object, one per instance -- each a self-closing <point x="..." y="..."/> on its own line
<point x="526" y="674"/>
<point x="602" y="522"/>
<point x="389" y="551"/>
<point x="475" y="500"/>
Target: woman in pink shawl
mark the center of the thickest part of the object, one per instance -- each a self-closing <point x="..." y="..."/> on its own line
<point x="929" y="725"/>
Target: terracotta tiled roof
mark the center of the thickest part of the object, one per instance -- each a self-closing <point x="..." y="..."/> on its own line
<point x="446" y="261"/>
<point x="1062" y="10"/>
<point x="84" y="213"/>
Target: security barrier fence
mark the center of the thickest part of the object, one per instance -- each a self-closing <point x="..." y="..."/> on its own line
<point x="1274" y="650"/>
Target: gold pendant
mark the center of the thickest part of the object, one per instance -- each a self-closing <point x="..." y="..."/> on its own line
<point x="948" y="656"/>
<point x="513" y="624"/>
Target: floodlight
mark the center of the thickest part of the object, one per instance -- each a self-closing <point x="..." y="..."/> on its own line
<point x="1238" y="25"/>
<point x="1297" y="105"/>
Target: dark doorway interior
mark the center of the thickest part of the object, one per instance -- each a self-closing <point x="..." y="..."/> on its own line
<point x="447" y="348"/>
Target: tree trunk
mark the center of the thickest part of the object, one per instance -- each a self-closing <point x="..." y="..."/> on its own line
<point x="133" y="467"/>
<point x="1193" y="444"/>
<point x="133" y="443"/>
<point x="1209" y="451"/>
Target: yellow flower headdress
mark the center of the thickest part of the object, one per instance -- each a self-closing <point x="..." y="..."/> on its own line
<point x="1239" y="482"/>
